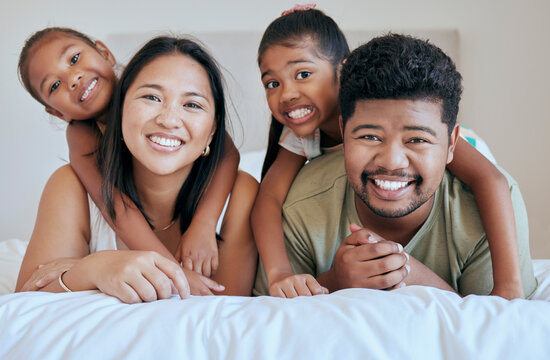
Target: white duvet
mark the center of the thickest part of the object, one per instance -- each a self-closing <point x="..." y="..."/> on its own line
<point x="410" y="323"/>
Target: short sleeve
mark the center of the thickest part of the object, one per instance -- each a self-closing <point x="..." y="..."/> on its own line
<point x="476" y="141"/>
<point x="291" y="142"/>
<point x="296" y="243"/>
<point x="307" y="146"/>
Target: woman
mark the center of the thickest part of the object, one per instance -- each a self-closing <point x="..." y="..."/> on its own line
<point x="160" y="148"/>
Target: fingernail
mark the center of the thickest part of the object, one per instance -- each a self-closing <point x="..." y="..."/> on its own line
<point x="408" y="267"/>
<point x="400" y="247"/>
<point x="372" y="239"/>
<point x="407" y="256"/>
<point x="401" y="285"/>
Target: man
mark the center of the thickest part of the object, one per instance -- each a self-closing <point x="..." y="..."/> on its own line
<point x="385" y="213"/>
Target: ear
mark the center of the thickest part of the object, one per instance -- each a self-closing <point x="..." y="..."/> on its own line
<point x="214" y="127"/>
<point x="338" y="73"/>
<point x="452" y="143"/>
<point x="57" y="114"/>
<point x="341" y="125"/>
<point x="104" y="50"/>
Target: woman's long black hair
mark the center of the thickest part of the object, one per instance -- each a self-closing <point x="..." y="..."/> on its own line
<point x="114" y="158"/>
<point x="290" y="30"/>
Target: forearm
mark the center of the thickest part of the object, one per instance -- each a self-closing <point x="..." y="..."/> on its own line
<point x="268" y="233"/>
<point x="497" y="215"/>
<point x="210" y="207"/>
<point x="420" y="274"/>
<point x="329" y="280"/>
<point x="133" y="229"/>
<point x="130" y="226"/>
<point x="73" y="279"/>
<point x="492" y="195"/>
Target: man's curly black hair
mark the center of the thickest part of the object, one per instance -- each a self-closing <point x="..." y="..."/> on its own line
<point x="397" y="66"/>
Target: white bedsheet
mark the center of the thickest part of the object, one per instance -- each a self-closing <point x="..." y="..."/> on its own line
<point x="410" y="323"/>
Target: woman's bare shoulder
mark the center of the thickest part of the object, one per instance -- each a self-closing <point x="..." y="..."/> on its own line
<point x="64" y="181"/>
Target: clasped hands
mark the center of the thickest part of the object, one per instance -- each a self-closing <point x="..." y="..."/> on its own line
<point x="366" y="260"/>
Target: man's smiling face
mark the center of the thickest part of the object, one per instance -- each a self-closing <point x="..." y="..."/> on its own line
<point x="395" y="154"/>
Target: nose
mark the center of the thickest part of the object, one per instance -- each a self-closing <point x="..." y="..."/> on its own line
<point x="289" y="92"/>
<point x="169" y="117"/>
<point x="74" y="79"/>
<point x="392" y="156"/>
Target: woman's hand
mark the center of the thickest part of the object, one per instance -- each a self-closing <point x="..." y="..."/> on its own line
<point x="47" y="273"/>
<point x="198" y="250"/>
<point x="131" y="276"/>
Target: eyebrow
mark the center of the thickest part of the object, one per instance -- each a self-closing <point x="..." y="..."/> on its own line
<point x="187" y="93"/>
<point x="420" y="128"/>
<point x="60" y="58"/>
<point x="409" y="128"/>
<point x="292" y="62"/>
<point x="366" y="126"/>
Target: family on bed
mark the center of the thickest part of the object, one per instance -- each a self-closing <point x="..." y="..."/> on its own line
<point x="367" y="180"/>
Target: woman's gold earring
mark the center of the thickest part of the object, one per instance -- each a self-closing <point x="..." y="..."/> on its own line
<point x="206" y="151"/>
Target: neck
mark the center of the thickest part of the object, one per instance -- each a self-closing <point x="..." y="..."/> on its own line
<point x="102" y="119"/>
<point x="158" y="193"/>
<point x="330" y="131"/>
<point x="400" y="230"/>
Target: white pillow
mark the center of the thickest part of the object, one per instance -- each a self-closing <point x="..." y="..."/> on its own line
<point x="11" y="255"/>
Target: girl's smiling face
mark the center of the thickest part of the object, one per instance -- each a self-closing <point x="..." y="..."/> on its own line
<point x="301" y="87"/>
<point x="74" y="79"/>
<point x="168" y="116"/>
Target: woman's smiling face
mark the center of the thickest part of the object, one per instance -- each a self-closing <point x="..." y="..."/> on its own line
<point x="168" y="116"/>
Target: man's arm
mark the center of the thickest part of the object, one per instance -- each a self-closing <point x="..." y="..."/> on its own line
<point x="365" y="260"/>
<point x="420" y="274"/>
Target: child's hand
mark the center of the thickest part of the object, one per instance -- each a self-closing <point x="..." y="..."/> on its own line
<point x="201" y="285"/>
<point x="198" y="250"/>
<point x="509" y="291"/>
<point x="292" y="285"/>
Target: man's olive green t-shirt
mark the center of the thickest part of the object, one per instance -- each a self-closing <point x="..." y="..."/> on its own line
<point x="320" y="207"/>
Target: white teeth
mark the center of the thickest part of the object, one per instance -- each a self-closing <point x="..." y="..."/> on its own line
<point x="390" y="185"/>
<point x="87" y="92"/>
<point x="299" y="113"/>
<point x="164" y="141"/>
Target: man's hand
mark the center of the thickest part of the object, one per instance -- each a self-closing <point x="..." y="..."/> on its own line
<point x="365" y="260"/>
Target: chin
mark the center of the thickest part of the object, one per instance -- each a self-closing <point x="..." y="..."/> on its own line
<point x="391" y="213"/>
<point x="304" y="130"/>
<point x="391" y="210"/>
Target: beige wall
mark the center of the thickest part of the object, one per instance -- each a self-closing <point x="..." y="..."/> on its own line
<point x="504" y="51"/>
